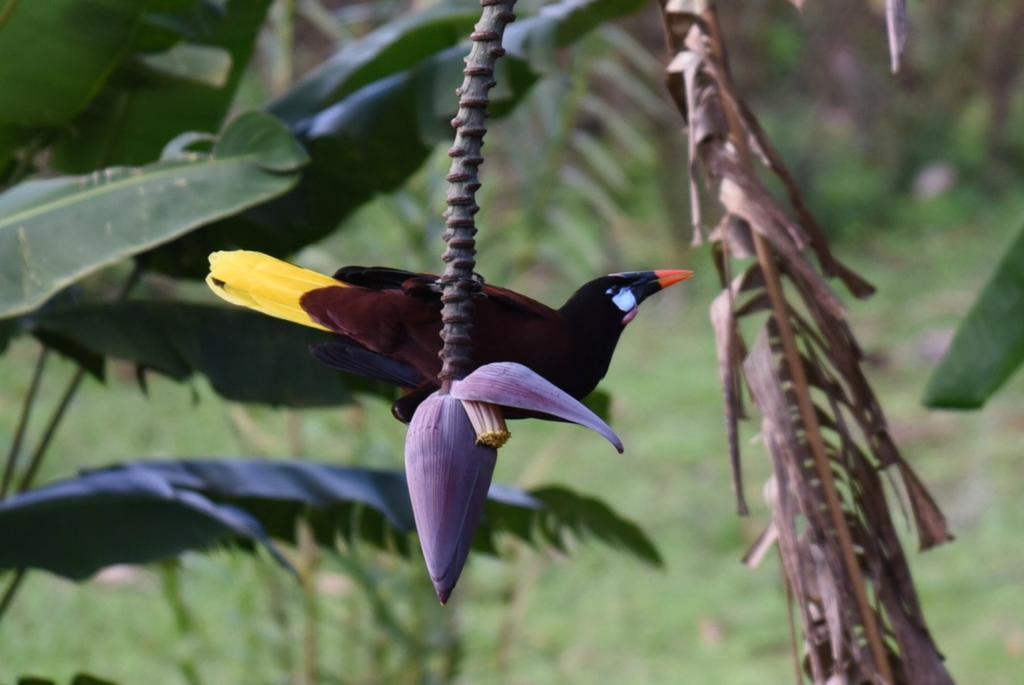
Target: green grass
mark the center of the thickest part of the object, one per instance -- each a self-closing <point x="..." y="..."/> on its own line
<point x="594" y="616"/>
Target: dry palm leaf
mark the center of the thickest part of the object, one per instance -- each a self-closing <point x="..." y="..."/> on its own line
<point x="896" y="22"/>
<point x="896" y="28"/>
<point x="821" y="423"/>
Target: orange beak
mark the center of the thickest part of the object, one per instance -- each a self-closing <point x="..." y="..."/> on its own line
<point x="669" y="277"/>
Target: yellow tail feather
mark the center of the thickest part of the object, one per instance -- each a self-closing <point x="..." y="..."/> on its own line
<point x="266" y="284"/>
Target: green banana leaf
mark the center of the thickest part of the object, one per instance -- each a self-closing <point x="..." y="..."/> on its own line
<point x="989" y="343"/>
<point x="150" y="511"/>
<point x="369" y="121"/>
<point x="205" y="45"/>
<point x="246" y="356"/>
<point x="56" y="231"/>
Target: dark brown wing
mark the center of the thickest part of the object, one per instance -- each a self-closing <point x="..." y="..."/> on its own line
<point x="404" y="323"/>
<point x="350" y="357"/>
<point x="427" y="287"/>
<point x="387" y="322"/>
<point x="379" y="277"/>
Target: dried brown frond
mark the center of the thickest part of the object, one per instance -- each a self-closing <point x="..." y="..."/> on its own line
<point x="896" y="23"/>
<point x="896" y="27"/>
<point x="820" y="420"/>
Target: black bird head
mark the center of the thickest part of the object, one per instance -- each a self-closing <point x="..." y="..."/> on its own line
<point x="613" y="301"/>
<point x="598" y="313"/>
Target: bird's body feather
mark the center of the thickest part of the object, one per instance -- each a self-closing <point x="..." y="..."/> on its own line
<point x="389" y="321"/>
<point x="405" y="324"/>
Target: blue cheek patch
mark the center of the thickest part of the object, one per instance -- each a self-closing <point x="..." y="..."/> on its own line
<point x="625" y="300"/>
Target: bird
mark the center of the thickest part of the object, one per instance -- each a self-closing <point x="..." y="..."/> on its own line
<point x="386" y="322"/>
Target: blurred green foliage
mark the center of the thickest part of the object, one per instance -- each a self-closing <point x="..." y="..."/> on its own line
<point x="917" y="177"/>
<point x="706" y="618"/>
<point x="859" y="138"/>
